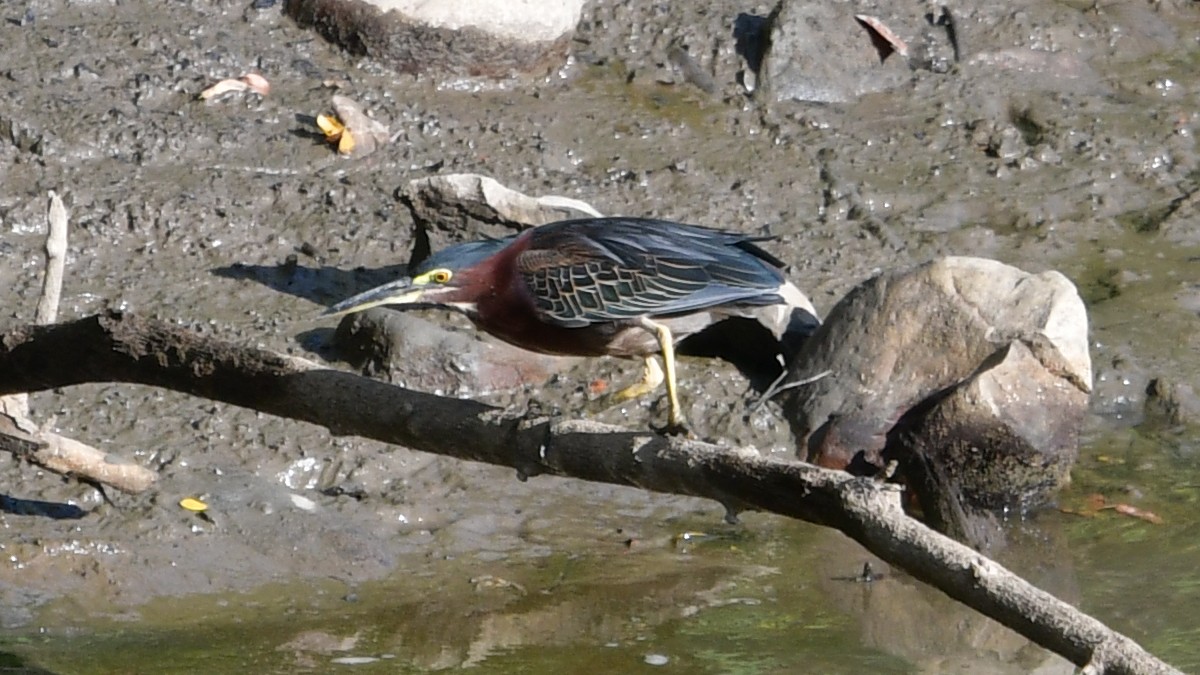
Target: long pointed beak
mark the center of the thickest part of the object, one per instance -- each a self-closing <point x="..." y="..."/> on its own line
<point x="399" y="292"/>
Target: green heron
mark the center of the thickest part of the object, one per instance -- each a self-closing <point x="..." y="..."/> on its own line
<point x="628" y="287"/>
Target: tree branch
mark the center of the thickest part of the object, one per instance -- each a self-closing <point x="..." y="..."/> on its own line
<point x="125" y="348"/>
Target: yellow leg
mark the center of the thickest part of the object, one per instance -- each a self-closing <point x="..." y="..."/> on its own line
<point x="652" y="378"/>
<point x="666" y="343"/>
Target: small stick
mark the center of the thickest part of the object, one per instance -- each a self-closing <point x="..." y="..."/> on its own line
<point x="16" y="406"/>
<point x="69" y="457"/>
<point x="777" y="387"/>
<point x="56" y="254"/>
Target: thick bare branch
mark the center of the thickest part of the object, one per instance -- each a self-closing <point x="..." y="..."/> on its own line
<point x="125" y="348"/>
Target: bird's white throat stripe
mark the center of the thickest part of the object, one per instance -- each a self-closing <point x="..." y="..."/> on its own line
<point x="795" y="298"/>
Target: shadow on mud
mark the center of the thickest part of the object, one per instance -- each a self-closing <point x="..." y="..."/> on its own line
<point x="322" y="285"/>
<point x="34" y="507"/>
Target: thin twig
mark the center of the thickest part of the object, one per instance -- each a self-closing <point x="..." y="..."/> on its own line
<point x="777" y="388"/>
<point x="56" y="254"/>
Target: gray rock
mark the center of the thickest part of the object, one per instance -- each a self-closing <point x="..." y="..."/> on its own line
<point x="1004" y="440"/>
<point x="1171" y="403"/>
<point x="518" y="20"/>
<point x="971" y="373"/>
<point x="819" y="52"/>
<point x="456" y="37"/>
<point x="828" y="53"/>
<point x="413" y="352"/>
<point x="464" y="207"/>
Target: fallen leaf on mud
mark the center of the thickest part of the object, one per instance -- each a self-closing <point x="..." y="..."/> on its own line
<point x="257" y="83"/>
<point x="356" y="134"/>
<point x="1135" y="512"/>
<point x="1095" y="503"/>
<point x="248" y="82"/>
<point x="882" y="37"/>
<point x="194" y="505"/>
<point x="335" y="131"/>
<point x="223" y="87"/>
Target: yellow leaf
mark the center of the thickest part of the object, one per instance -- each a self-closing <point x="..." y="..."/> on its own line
<point x="331" y="127"/>
<point x="192" y="504"/>
<point x="346" y="144"/>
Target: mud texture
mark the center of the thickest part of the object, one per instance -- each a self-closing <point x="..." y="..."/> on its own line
<point x="235" y="217"/>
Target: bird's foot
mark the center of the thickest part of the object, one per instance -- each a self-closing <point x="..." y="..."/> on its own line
<point x="630" y="393"/>
<point x="676" y="424"/>
<point x="675" y="428"/>
<point x="652" y="378"/>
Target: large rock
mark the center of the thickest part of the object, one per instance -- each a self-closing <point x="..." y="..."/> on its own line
<point x="974" y="375"/>
<point x="457" y="37"/>
<point x="832" y="52"/>
<point x="1170" y="402"/>
<point x="819" y="52"/>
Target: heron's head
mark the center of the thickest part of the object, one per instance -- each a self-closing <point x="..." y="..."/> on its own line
<point x="441" y="279"/>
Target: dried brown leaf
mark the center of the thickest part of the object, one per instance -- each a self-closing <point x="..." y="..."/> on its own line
<point x="257" y="83"/>
<point x="248" y="82"/>
<point x="882" y="37"/>
<point x="223" y="87"/>
<point x="1134" y="512"/>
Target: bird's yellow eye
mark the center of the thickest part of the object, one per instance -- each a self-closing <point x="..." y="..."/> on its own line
<point x="439" y="276"/>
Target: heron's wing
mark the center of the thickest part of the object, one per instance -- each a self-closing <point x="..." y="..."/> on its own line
<point x="616" y="269"/>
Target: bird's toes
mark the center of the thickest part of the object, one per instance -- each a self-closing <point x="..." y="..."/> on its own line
<point x="633" y="391"/>
<point x="675" y="428"/>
